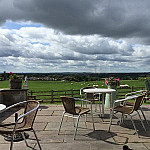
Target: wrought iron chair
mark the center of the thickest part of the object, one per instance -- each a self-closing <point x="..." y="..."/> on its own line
<point x="74" y="111"/>
<point x="128" y="110"/>
<point x="23" y="122"/>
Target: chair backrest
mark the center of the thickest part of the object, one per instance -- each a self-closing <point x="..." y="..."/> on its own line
<point x="30" y="105"/>
<point x="147" y="85"/>
<point x="69" y="104"/>
<point x="89" y="96"/>
<point x="88" y="87"/>
<point x="138" y="102"/>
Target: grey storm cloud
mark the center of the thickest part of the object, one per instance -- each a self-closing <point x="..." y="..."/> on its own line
<point x="109" y="18"/>
<point x="8" y="52"/>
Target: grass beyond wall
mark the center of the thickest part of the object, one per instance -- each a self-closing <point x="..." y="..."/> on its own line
<point x="61" y="85"/>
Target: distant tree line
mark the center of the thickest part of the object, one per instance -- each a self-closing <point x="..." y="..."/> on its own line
<point x="75" y="76"/>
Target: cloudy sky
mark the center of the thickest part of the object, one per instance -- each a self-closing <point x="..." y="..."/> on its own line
<point x="75" y="36"/>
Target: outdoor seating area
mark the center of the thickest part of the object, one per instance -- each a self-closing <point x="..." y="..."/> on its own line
<point x="77" y="121"/>
<point x="90" y="136"/>
<point x="74" y="75"/>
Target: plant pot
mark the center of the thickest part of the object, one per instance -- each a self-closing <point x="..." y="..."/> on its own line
<point x="114" y="96"/>
<point x="15" y="83"/>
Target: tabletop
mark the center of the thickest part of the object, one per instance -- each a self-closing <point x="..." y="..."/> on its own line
<point x="2" y="107"/>
<point x="99" y="90"/>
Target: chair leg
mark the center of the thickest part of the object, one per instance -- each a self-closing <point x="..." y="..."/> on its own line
<point x="22" y="133"/>
<point x="61" y="122"/>
<point x="86" y="114"/>
<point x="93" y="121"/>
<point x="134" y="125"/>
<point x="144" y="115"/>
<point x="91" y="107"/>
<point x="73" y="121"/>
<point x="95" y="106"/>
<point x="100" y="108"/>
<point x="141" y="121"/>
<point x="122" y="119"/>
<point x="37" y="140"/>
<point x="76" y="127"/>
<point x="12" y="141"/>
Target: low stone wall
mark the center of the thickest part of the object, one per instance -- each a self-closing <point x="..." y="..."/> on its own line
<point x="12" y="96"/>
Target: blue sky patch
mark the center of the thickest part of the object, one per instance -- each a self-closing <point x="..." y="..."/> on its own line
<point x="45" y="44"/>
<point x="16" y="25"/>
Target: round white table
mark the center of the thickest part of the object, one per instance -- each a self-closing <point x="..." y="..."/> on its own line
<point x="2" y="107"/>
<point x="103" y="91"/>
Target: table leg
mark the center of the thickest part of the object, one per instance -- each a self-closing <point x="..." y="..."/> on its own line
<point x="103" y="99"/>
<point x="110" y="104"/>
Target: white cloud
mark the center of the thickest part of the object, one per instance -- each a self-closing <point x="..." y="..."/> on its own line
<point x="41" y="49"/>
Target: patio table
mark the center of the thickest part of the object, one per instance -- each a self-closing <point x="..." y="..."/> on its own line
<point x="2" y="107"/>
<point x="103" y="91"/>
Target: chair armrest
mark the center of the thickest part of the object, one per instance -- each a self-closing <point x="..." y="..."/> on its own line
<point x="40" y="100"/>
<point x="14" y="105"/>
<point x="84" y="100"/>
<point x="23" y="115"/>
<point x="127" y="98"/>
<point x="120" y="100"/>
<point x="141" y="91"/>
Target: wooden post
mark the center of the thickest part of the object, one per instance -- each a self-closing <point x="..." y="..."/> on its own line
<point x="72" y="92"/>
<point x="52" y="96"/>
<point x="131" y="88"/>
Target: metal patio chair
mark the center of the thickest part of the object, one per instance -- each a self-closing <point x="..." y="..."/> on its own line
<point x="74" y="111"/>
<point x="22" y="123"/>
<point x="132" y="103"/>
<point x="147" y="88"/>
<point x="128" y="110"/>
<point x="94" y="98"/>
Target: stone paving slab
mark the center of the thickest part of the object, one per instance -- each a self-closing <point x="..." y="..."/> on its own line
<point x="47" y="123"/>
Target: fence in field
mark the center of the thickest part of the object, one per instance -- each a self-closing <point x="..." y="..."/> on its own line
<point x="53" y="96"/>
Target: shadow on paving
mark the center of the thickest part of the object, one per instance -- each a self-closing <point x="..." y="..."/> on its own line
<point x="11" y="112"/>
<point x="7" y="114"/>
<point x="145" y="109"/>
<point x="102" y="135"/>
<point x="128" y="125"/>
<point x="43" y="107"/>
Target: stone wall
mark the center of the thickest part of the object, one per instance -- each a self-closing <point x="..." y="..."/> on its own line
<point x="12" y="96"/>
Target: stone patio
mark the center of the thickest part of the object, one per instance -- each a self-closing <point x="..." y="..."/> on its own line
<point x="47" y="124"/>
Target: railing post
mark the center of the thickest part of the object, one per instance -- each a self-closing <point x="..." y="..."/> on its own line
<point x="72" y="92"/>
<point x="52" y="96"/>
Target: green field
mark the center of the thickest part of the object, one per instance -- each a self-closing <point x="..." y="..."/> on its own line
<point x="37" y="86"/>
<point x="60" y="85"/>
